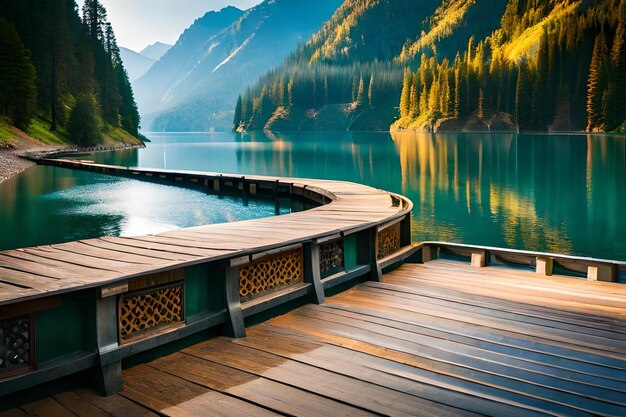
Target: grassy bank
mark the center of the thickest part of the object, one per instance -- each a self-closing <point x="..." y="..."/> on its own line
<point x="39" y="131"/>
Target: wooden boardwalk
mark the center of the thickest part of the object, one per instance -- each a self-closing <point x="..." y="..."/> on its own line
<point x="435" y="339"/>
<point x="42" y="271"/>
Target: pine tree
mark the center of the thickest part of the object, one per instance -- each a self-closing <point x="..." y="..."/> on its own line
<point x="595" y="84"/>
<point x="414" y="109"/>
<point x="522" y="97"/>
<point x="17" y="77"/>
<point x="405" y="96"/>
<point x="370" y="91"/>
<point x="616" y="100"/>
<point x="360" y="96"/>
<point x="238" y="110"/>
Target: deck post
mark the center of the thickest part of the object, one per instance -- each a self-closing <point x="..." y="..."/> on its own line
<point x="377" y="273"/>
<point x="479" y="259"/>
<point x="605" y="273"/>
<point x="544" y="266"/>
<point x="235" y="326"/>
<point x="427" y="254"/>
<point x="110" y="372"/>
<point x="312" y="272"/>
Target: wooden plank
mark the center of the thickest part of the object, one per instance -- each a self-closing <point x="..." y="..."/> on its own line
<point x="78" y="406"/>
<point x="14" y="412"/>
<point x="115" y="405"/>
<point x="544" y="370"/>
<point x="47" y="407"/>
<point x="581" y="364"/>
<point x="170" y="395"/>
<point x="543" y="310"/>
<point x="370" y="366"/>
<point x="484" y="368"/>
<point x="496" y="308"/>
<point x="126" y="249"/>
<point x="266" y="393"/>
<point x="171" y="248"/>
<point x="613" y="349"/>
<point x="362" y="394"/>
<point x="81" y="248"/>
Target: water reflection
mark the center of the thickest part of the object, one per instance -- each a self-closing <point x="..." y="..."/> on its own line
<point x="554" y="193"/>
<point x="562" y="193"/>
<point x="51" y="205"/>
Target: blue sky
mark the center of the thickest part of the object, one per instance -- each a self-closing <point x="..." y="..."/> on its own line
<point x="138" y="23"/>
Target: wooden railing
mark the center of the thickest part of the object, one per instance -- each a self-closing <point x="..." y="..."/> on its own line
<point x="544" y="263"/>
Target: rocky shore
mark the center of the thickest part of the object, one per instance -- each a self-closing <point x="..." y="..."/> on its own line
<point x="22" y="153"/>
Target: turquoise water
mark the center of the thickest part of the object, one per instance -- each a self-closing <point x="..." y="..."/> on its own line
<point x="48" y="205"/>
<point x="558" y="193"/>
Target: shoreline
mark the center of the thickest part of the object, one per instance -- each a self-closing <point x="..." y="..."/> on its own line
<point x="24" y="153"/>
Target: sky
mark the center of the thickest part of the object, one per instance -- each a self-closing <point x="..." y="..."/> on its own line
<point x="139" y="23"/>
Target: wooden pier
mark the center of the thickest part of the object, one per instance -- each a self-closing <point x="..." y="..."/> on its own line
<point x="445" y="330"/>
<point x="434" y="339"/>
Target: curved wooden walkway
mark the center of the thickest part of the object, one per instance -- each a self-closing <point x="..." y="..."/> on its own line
<point x="435" y="339"/>
<point x="52" y="269"/>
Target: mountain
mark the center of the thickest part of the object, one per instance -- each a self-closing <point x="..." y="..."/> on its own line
<point x="155" y="51"/>
<point x="451" y="65"/>
<point x="357" y="57"/>
<point x="74" y="82"/>
<point x="195" y="84"/>
<point x="136" y="64"/>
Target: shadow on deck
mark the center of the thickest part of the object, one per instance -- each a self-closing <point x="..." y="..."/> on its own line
<point x="435" y="339"/>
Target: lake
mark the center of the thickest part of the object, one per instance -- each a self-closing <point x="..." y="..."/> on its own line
<point x="556" y="193"/>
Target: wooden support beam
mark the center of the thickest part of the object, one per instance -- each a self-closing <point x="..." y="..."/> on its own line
<point x="110" y="373"/>
<point x="376" y="273"/>
<point x="479" y="259"/>
<point x="427" y="252"/>
<point x="544" y="266"/>
<point x="605" y="273"/>
<point x="235" y="326"/>
<point x="312" y="272"/>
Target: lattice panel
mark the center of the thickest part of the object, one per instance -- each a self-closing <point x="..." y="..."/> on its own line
<point x="270" y="274"/>
<point x="331" y="256"/>
<point x="388" y="241"/>
<point x="141" y="313"/>
<point x="15" y="343"/>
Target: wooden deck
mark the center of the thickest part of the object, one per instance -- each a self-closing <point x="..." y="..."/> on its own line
<point x="435" y="339"/>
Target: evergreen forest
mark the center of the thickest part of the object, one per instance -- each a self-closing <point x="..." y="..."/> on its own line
<point x="62" y="69"/>
<point x="530" y="65"/>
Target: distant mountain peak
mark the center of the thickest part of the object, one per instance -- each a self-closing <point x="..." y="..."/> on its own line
<point x="155" y="50"/>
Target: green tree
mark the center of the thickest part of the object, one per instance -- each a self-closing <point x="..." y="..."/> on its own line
<point x="405" y="97"/>
<point x="523" y="97"/>
<point x="596" y="84"/>
<point x="238" y="110"/>
<point x="370" y="91"/>
<point x="17" y="77"/>
<point x="85" y="124"/>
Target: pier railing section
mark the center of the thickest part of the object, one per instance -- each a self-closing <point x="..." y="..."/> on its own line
<point x="96" y="328"/>
<point x="543" y="263"/>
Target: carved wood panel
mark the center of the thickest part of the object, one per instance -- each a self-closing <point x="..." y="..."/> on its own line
<point x="270" y="273"/>
<point x="141" y="313"/>
<point x="15" y="343"/>
<point x="331" y="257"/>
<point x="388" y="241"/>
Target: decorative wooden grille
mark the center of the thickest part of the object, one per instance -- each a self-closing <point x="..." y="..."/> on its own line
<point x="148" y="311"/>
<point x="388" y="241"/>
<point x="15" y="343"/>
<point x="270" y="274"/>
<point x="331" y="257"/>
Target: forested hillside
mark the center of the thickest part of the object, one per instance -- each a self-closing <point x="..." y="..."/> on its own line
<point x="63" y="73"/>
<point x="451" y="65"/>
